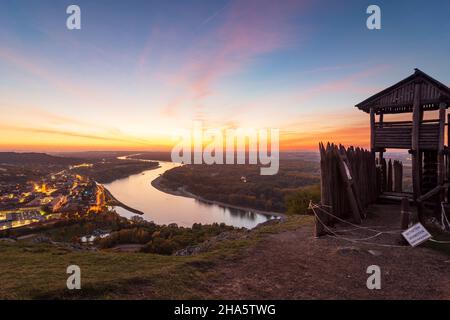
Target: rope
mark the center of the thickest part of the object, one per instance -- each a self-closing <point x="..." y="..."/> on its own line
<point x="438" y="241"/>
<point x="375" y="244"/>
<point x="355" y="240"/>
<point x="444" y="219"/>
<point x="312" y="206"/>
<point x="329" y="229"/>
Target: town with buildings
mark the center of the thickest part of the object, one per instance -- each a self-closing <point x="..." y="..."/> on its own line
<point x="54" y="197"/>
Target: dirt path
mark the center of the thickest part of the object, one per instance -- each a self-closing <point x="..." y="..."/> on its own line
<point x="294" y="265"/>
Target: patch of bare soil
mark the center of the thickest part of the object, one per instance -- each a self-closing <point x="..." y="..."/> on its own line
<point x="127" y="247"/>
<point x="295" y="265"/>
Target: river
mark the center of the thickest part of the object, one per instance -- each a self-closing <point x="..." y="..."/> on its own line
<point x="137" y="192"/>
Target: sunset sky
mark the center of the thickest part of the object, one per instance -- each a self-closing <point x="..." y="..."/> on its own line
<point x="138" y="70"/>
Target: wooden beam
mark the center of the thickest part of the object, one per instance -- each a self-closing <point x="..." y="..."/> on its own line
<point x="441" y="147"/>
<point x="448" y="130"/>
<point x="420" y="168"/>
<point x="441" y="160"/>
<point x="415" y="141"/>
<point x="325" y="189"/>
<point x="405" y="213"/>
<point x="398" y="176"/>
<point x="347" y="177"/>
<point x="431" y="193"/>
<point x="448" y="156"/>
<point x="372" y="130"/>
<point x="402" y="123"/>
<point x="389" y="176"/>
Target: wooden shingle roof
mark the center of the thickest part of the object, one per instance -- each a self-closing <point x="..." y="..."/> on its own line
<point x="399" y="97"/>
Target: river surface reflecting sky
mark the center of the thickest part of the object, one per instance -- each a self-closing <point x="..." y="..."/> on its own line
<point x="137" y="192"/>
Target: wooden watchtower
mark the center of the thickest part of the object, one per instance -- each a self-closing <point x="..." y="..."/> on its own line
<point x="425" y="139"/>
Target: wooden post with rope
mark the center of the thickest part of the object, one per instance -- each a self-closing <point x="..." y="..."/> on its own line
<point x="348" y="183"/>
<point x="389" y="176"/>
<point x="325" y="193"/>
<point x="347" y="177"/>
<point x="398" y="176"/>
<point x="405" y="214"/>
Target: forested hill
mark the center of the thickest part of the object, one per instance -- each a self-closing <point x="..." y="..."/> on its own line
<point x="295" y="184"/>
<point x="35" y="158"/>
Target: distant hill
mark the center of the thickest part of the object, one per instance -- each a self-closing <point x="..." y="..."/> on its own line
<point x="35" y="158"/>
<point x="93" y="154"/>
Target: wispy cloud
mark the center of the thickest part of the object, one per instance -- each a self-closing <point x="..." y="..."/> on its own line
<point x="249" y="29"/>
<point x="37" y="70"/>
<point x="349" y="82"/>
<point x="215" y="14"/>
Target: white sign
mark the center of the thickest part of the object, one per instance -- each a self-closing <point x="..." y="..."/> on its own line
<point x="416" y="234"/>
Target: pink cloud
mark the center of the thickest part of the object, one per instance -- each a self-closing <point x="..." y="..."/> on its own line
<point x="39" y="71"/>
<point x="250" y="28"/>
<point x="349" y="82"/>
<point x="247" y="29"/>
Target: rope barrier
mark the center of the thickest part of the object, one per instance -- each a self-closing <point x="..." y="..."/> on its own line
<point x="362" y="240"/>
<point x="329" y="229"/>
<point x="444" y="218"/>
<point x="438" y="241"/>
<point x="313" y="206"/>
<point x="375" y="244"/>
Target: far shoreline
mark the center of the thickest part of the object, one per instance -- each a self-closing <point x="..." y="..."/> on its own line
<point x="156" y="183"/>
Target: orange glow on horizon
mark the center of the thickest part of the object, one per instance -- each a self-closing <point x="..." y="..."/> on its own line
<point x="356" y="136"/>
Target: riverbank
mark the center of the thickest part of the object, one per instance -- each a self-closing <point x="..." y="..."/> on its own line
<point x="112" y="201"/>
<point x="107" y="172"/>
<point x="156" y="183"/>
<point x="182" y="192"/>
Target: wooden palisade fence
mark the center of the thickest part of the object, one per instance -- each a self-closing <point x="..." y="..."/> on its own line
<point x="351" y="180"/>
<point x="391" y="175"/>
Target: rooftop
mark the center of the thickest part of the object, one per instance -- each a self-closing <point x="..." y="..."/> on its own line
<point x="399" y="97"/>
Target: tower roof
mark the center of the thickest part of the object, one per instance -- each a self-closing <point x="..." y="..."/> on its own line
<point x="399" y="97"/>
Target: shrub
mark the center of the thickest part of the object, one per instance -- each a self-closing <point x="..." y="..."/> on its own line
<point x="162" y="239"/>
<point x="297" y="202"/>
